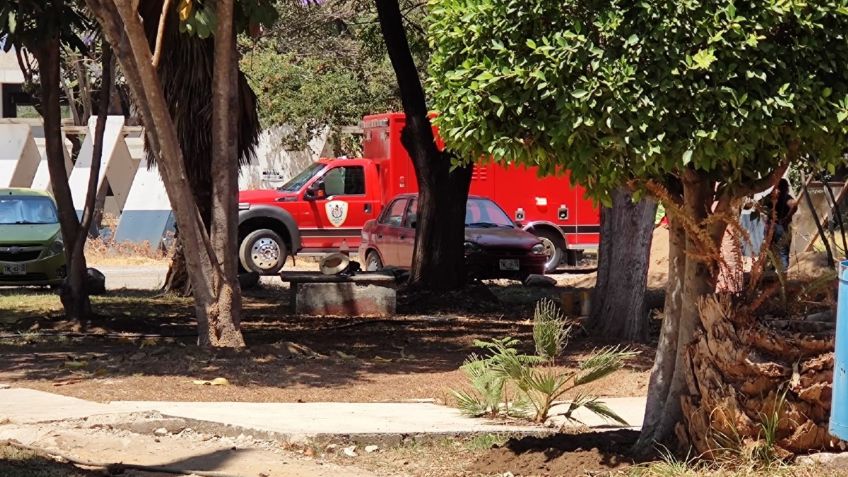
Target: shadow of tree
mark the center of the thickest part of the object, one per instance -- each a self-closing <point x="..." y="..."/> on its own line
<point x="141" y="334"/>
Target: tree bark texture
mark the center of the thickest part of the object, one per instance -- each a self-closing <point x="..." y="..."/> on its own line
<point x="694" y="262"/>
<point x="439" y="255"/>
<point x="122" y="27"/>
<point x="73" y="296"/>
<point x="224" y="226"/>
<point x="618" y="300"/>
<point x="742" y="371"/>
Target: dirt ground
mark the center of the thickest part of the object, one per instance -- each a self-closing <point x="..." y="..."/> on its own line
<point x="142" y="348"/>
<point x="564" y="455"/>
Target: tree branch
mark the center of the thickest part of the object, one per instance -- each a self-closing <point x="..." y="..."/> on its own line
<point x="160" y="33"/>
<point x="97" y="153"/>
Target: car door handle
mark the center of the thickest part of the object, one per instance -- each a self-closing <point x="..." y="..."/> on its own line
<point x="367" y="208"/>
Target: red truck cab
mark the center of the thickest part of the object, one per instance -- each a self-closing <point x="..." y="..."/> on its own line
<point x="324" y="208"/>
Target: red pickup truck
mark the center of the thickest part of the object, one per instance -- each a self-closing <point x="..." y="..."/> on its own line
<point x="324" y="208"/>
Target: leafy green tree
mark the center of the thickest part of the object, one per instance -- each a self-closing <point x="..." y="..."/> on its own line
<point x="715" y="97"/>
<point x="42" y="29"/>
<point x="312" y="93"/>
<point x="324" y="64"/>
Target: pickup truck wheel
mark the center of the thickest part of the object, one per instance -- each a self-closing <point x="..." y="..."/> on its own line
<point x="373" y="262"/>
<point x="553" y="252"/>
<point x="263" y="251"/>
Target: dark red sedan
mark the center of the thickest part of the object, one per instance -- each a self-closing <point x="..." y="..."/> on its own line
<point x="494" y="246"/>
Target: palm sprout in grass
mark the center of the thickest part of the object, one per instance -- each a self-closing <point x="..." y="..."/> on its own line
<point x="550" y="332"/>
<point x="543" y="387"/>
<point x="765" y="452"/>
<point x="603" y="363"/>
<point x="487" y="388"/>
<point x="537" y="388"/>
<point x="488" y="395"/>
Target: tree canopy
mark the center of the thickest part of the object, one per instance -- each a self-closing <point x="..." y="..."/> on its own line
<point x="621" y="89"/>
<point x="324" y="64"/>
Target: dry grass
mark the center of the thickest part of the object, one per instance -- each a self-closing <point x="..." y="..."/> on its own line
<point x="105" y="251"/>
<point x="693" y="468"/>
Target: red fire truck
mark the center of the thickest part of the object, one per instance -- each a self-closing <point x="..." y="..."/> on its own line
<point x="323" y="208"/>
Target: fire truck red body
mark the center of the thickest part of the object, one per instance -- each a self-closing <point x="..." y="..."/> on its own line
<point x="324" y="208"/>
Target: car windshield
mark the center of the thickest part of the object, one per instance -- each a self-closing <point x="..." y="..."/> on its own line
<point x="485" y="213"/>
<point x="27" y="210"/>
<point x="297" y="182"/>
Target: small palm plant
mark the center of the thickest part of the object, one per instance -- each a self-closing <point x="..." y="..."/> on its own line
<point x="538" y="388"/>
<point x="550" y="331"/>
<point x="489" y="395"/>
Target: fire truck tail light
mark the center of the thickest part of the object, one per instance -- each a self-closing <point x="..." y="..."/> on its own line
<point x="402" y="182"/>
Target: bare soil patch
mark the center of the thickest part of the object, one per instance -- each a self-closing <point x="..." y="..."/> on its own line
<point x="142" y="347"/>
<point x="564" y="455"/>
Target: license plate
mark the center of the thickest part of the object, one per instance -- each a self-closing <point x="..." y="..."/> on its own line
<point x="510" y="264"/>
<point x="13" y="269"/>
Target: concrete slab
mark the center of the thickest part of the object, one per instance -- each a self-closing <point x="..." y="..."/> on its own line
<point x="631" y="409"/>
<point x="27" y="406"/>
<point x="183" y="453"/>
<point x="297" y="422"/>
<point x="304" y="421"/>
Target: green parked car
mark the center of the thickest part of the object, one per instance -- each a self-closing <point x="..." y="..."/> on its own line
<point x="31" y="248"/>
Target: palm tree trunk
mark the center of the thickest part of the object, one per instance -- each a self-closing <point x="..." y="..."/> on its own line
<point x="123" y="30"/>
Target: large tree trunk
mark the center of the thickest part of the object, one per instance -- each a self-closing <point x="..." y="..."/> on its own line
<point x="73" y="295"/>
<point x="618" y="301"/>
<point x="689" y="279"/>
<point x="438" y="256"/>
<point x="224" y="225"/>
<point x="123" y="29"/>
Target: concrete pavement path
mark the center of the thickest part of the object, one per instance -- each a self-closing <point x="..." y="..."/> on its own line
<point x="240" y="438"/>
<point x="298" y="421"/>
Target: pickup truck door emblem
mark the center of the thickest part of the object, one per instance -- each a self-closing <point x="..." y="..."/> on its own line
<point x="336" y="212"/>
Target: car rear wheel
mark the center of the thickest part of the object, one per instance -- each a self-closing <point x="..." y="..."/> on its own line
<point x="373" y="262"/>
<point x="263" y="251"/>
<point x="553" y="250"/>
